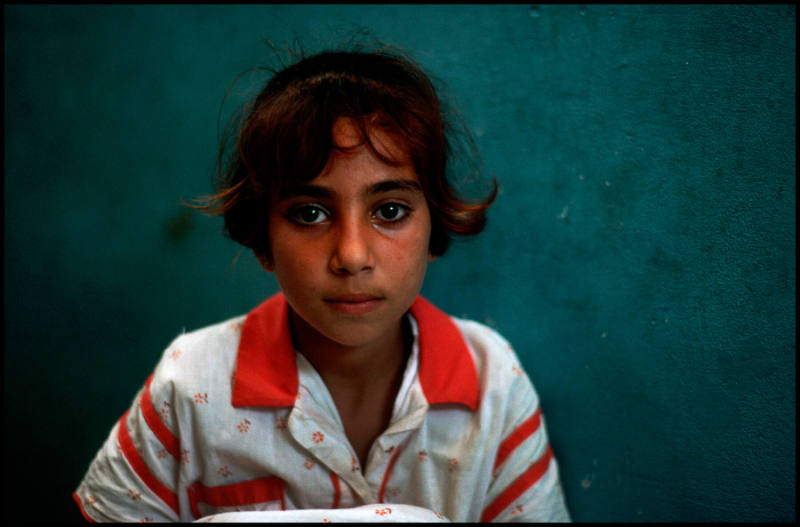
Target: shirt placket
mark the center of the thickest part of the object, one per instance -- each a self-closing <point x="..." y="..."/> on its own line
<point x="328" y="445"/>
<point x="314" y="423"/>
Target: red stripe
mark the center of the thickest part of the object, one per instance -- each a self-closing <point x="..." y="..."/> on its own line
<point x="386" y="475"/>
<point x="522" y="432"/>
<point x="337" y="491"/>
<point x="80" y="506"/>
<point x="140" y="467"/>
<point x="155" y="423"/>
<point x="245" y="493"/>
<point x="528" y="478"/>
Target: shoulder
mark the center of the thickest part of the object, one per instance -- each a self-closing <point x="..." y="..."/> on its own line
<point x="201" y="357"/>
<point x="438" y="329"/>
<point x="220" y="335"/>
<point x="500" y="372"/>
<point x="486" y="344"/>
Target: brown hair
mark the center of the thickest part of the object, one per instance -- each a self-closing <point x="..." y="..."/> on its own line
<point x="286" y="138"/>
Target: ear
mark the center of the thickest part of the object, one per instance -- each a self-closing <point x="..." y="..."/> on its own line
<point x="431" y="257"/>
<point x="265" y="261"/>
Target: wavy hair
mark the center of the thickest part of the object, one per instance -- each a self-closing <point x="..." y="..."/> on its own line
<point x="284" y="138"/>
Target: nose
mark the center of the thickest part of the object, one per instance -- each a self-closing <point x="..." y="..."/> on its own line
<point x="352" y="252"/>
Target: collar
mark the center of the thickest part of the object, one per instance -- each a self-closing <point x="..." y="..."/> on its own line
<point x="266" y="371"/>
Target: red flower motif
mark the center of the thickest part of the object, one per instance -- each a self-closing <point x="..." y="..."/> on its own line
<point x="452" y="464"/>
<point x="318" y="437"/>
<point x="244" y="426"/>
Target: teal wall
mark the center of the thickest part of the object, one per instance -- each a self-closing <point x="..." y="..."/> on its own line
<point x="640" y="256"/>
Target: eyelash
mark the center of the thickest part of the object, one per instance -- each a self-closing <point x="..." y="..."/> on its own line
<point x="294" y="214"/>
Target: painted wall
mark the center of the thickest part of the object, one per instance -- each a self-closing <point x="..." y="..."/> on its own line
<point x="640" y="257"/>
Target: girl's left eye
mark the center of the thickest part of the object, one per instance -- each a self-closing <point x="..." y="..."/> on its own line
<point x="392" y="212"/>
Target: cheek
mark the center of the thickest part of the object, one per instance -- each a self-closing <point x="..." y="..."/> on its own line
<point x="409" y="252"/>
<point x="291" y="255"/>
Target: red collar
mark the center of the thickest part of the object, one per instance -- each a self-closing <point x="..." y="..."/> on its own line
<point x="266" y="372"/>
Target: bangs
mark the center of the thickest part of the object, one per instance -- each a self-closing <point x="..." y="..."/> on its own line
<point x="290" y="139"/>
<point x="286" y="139"/>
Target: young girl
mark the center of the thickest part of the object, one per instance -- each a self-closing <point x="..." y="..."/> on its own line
<point x="346" y="396"/>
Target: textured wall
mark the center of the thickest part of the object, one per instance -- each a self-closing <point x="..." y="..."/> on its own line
<point x="640" y="256"/>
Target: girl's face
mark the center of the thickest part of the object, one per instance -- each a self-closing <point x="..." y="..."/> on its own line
<point x="350" y="248"/>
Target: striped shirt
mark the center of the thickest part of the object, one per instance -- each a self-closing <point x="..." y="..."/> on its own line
<point x="234" y="419"/>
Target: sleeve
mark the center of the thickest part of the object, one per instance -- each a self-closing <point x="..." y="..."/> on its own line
<point x="525" y="483"/>
<point x="134" y="476"/>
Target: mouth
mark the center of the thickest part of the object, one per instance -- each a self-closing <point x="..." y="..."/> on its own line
<point x="355" y="304"/>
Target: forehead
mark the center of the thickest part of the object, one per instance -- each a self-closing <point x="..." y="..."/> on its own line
<point x="347" y="134"/>
<point x="355" y="164"/>
<point x="360" y="174"/>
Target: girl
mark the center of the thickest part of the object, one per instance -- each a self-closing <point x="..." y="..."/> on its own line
<point x="346" y="395"/>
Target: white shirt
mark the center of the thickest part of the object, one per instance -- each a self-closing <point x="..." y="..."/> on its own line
<point x="234" y="419"/>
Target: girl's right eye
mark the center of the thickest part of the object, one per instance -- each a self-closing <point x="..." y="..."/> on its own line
<point x="308" y="215"/>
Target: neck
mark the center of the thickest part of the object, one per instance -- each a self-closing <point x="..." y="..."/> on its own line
<point x="353" y="367"/>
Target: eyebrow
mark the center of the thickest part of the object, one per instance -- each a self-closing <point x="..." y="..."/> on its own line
<point x="312" y="191"/>
<point x="409" y="185"/>
<point x="317" y="191"/>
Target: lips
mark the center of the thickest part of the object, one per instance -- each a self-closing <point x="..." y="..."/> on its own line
<point x="355" y="303"/>
<point x="353" y="297"/>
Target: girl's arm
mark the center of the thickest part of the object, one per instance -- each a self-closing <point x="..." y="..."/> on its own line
<point x="526" y="485"/>
<point x="134" y="475"/>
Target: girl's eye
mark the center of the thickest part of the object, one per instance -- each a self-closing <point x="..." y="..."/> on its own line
<point x="391" y="212"/>
<point x="308" y="215"/>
